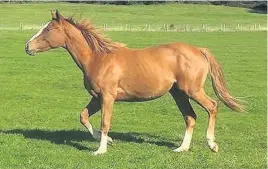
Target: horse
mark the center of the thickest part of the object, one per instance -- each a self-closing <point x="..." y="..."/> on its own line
<point x="113" y="72"/>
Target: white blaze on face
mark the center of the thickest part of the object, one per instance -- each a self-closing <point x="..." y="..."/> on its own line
<point x="39" y="32"/>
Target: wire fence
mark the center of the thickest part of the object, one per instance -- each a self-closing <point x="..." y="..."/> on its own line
<point x="159" y="28"/>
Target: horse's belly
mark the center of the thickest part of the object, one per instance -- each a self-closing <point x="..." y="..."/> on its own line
<point x="142" y="90"/>
<point x="130" y="97"/>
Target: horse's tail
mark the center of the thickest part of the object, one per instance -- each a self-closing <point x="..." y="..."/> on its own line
<point x="218" y="83"/>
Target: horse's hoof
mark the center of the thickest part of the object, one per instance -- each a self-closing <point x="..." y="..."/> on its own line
<point x="180" y="149"/>
<point x="98" y="152"/>
<point x="214" y="148"/>
<point x="97" y="135"/>
<point x="110" y="140"/>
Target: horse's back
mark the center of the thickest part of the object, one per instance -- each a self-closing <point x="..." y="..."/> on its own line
<point x="174" y="57"/>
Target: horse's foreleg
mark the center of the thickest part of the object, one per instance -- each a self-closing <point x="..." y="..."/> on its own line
<point x="92" y="108"/>
<point x="106" y="114"/>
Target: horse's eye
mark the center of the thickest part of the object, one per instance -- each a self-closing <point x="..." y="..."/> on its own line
<point x="48" y="29"/>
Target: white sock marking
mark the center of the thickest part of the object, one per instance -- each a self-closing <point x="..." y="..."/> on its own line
<point x="186" y="142"/>
<point x="103" y="142"/>
<point x="103" y="145"/>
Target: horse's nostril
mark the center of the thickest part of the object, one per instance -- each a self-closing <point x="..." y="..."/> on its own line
<point x="26" y="47"/>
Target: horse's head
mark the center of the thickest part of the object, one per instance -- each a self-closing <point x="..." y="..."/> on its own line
<point x="51" y="35"/>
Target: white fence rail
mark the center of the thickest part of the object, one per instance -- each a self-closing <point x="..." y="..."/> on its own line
<point x="161" y="28"/>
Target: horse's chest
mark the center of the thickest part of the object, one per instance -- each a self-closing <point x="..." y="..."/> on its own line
<point x="91" y="88"/>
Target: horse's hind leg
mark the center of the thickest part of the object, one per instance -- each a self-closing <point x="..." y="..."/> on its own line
<point x="211" y="107"/>
<point x="92" y="108"/>
<point x="182" y="101"/>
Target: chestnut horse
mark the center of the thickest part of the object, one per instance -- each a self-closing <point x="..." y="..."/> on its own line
<point x="113" y="72"/>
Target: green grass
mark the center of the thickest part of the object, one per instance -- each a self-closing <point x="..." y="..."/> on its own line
<point x="134" y="14"/>
<point x="41" y="99"/>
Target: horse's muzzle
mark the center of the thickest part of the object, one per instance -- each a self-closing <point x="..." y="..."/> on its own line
<point x="29" y="52"/>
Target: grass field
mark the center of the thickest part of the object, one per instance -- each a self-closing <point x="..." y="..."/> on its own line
<point x="134" y="15"/>
<point x="41" y="97"/>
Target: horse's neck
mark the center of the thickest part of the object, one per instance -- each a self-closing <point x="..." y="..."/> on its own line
<point x="78" y="48"/>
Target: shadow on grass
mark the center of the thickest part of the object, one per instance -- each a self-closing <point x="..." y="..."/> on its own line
<point x="258" y="11"/>
<point x="71" y="137"/>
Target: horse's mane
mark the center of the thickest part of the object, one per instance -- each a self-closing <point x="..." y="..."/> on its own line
<point x="97" y="41"/>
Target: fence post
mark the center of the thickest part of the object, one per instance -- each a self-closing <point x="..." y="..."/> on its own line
<point x="106" y="27"/>
<point x="21" y="26"/>
<point x="167" y="28"/>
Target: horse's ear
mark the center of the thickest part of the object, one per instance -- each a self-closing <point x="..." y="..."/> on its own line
<point x="53" y="14"/>
<point x="56" y="15"/>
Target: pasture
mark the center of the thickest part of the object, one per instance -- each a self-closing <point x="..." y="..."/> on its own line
<point x="42" y="96"/>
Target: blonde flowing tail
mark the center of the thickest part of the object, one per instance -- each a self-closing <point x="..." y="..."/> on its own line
<point x="218" y="83"/>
